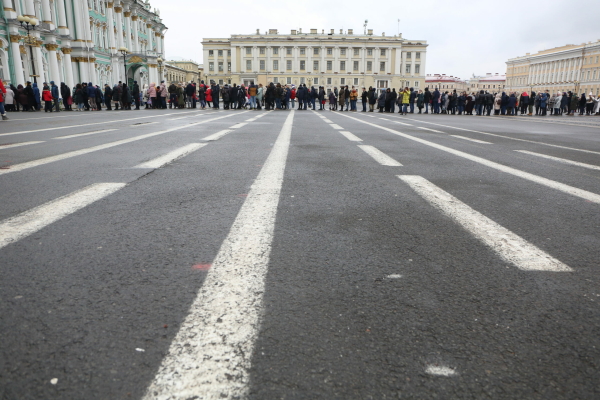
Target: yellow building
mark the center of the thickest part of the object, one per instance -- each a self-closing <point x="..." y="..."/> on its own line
<point x="445" y="83"/>
<point x="190" y="67"/>
<point x="319" y="59"/>
<point x="570" y="67"/>
<point x="489" y="82"/>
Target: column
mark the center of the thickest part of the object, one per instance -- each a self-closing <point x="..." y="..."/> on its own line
<point x="149" y="35"/>
<point x="255" y="65"/>
<point x="47" y="14"/>
<point x="30" y="8"/>
<point x="80" y="23"/>
<point x="127" y="15"/>
<point x="68" y="67"/>
<point x="336" y="59"/>
<point x="16" y="58"/>
<point x="62" y="18"/>
<point x="53" y="62"/>
<point x="162" y="44"/>
<point x="268" y="50"/>
<point x="158" y="44"/>
<point x="39" y="65"/>
<point x="376" y="53"/>
<point x="9" y="12"/>
<point x="388" y="64"/>
<point x="322" y="63"/>
<point x="400" y="55"/>
<point x="119" y="33"/>
<point x="83" y="69"/>
<point x="281" y="58"/>
<point x="153" y="72"/>
<point x="111" y="28"/>
<point x="135" y="27"/>
<point x="363" y="63"/>
<point x="233" y="61"/>
<point x="309" y="66"/>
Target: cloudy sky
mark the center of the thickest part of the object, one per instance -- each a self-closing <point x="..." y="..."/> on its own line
<point x="464" y="37"/>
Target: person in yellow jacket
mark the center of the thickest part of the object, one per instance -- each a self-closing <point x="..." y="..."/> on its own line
<point x="405" y="100"/>
<point x="353" y="98"/>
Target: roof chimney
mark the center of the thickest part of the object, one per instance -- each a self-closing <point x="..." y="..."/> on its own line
<point x="341" y="31"/>
<point x="313" y="31"/>
<point x="258" y="31"/>
<point x="272" y="31"/>
<point x="370" y="32"/>
<point x="382" y="33"/>
<point x="350" y="32"/>
<point x="333" y="31"/>
<point x="293" y="31"/>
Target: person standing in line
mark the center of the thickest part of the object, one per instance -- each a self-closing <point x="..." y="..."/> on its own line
<point x="420" y="101"/>
<point x="353" y="99"/>
<point x="543" y="103"/>
<point x="347" y="97"/>
<point x="252" y="93"/>
<point x="460" y="103"/>
<point x="336" y="93"/>
<point x="405" y="99"/>
<point x="393" y="99"/>
<point x="189" y="95"/>
<point x="413" y="100"/>
<point x="259" y="96"/>
<point x="342" y="99"/>
<point x="107" y="97"/>
<point x="364" y="98"/>
<point x="558" y="104"/>
<point x="372" y="98"/>
<point x="37" y="105"/>
<point x="47" y="98"/>
<point x="162" y="95"/>
<point x="135" y="93"/>
<point x="55" y="96"/>
<point x="564" y="103"/>
<point x="215" y="95"/>
<point x="152" y="95"/>
<point x="427" y="99"/>
<point x="209" y="99"/>
<point x="435" y="98"/>
<point x="65" y="93"/>
<point x="388" y="99"/>
<point x="30" y="103"/>
<point x="470" y="104"/>
<point x="332" y="101"/>
<point x="524" y="102"/>
<point x="382" y="100"/>
<point x="293" y="96"/>
<point x="322" y="99"/>
<point x="8" y="95"/>
<point x="2" y="98"/>
<point x="98" y="98"/>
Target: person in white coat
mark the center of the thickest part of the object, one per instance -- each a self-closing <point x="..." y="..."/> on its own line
<point x="557" y="100"/>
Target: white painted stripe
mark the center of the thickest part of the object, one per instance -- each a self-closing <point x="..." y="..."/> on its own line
<point x="379" y="156"/>
<point x="251" y="120"/>
<point x="328" y="121"/>
<point x="10" y="146"/>
<point x="469" y="139"/>
<point x="335" y="126"/>
<point x="394" y="276"/>
<point x="427" y="129"/>
<point x="402" y="123"/>
<point x="87" y="124"/>
<point x="210" y="357"/>
<point x="84" y="134"/>
<point x="509" y="246"/>
<point x="561" y="160"/>
<point x="171" y="156"/>
<point x="139" y="124"/>
<point x="28" y="222"/>
<point x="584" y="194"/>
<point x="511" y="138"/>
<point x="240" y="125"/>
<point x="350" y="136"/>
<point x="216" y="136"/>
<point x="439" y="370"/>
<point x="47" y="160"/>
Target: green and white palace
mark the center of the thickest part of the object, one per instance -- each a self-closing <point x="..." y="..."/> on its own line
<point x="73" y="41"/>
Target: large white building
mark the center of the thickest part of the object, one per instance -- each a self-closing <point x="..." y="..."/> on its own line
<point x="316" y="59"/>
<point x="78" y="41"/>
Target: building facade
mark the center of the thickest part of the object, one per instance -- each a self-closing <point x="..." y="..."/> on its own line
<point x="445" y="83"/>
<point x="183" y="71"/>
<point x="316" y="59"/>
<point x="78" y="41"/>
<point x="570" y="67"/>
<point x="492" y="83"/>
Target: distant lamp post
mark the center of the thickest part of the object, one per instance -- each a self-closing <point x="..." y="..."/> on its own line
<point x="29" y="24"/>
<point x="124" y="51"/>
<point x="160" y="61"/>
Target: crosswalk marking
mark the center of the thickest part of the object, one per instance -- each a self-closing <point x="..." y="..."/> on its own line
<point x="561" y="160"/>
<point x="10" y="146"/>
<point x="171" y="156"/>
<point x="509" y="246"/>
<point x="84" y="134"/>
<point x="28" y="222"/>
<point x="379" y="156"/>
<point x="469" y="139"/>
<point x="351" y="136"/>
<point x="584" y="194"/>
<point x="47" y="160"/>
<point x="210" y="356"/>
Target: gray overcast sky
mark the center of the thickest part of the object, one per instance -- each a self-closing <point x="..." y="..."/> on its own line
<point x="463" y="37"/>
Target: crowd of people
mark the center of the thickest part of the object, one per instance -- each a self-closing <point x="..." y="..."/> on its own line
<point x="275" y="96"/>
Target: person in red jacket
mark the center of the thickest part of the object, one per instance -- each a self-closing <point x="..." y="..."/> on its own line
<point x="293" y="96"/>
<point x="47" y="98"/>
<point x="2" y="94"/>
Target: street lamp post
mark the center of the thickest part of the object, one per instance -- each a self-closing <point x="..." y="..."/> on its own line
<point x="29" y="24"/>
<point x="159" y="60"/>
<point x="124" y="51"/>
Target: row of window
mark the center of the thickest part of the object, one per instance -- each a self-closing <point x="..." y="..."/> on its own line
<point x="328" y="81"/>
<point x="355" y="66"/>
<point x="316" y="50"/>
<point x="560" y="77"/>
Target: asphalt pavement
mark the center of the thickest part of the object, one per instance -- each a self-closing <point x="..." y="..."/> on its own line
<point x="241" y="254"/>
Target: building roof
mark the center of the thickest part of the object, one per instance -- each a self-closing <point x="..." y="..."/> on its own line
<point x="442" y="78"/>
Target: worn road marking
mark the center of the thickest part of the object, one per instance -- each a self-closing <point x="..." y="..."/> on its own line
<point x="10" y="146"/>
<point x="216" y="136"/>
<point x="561" y="160"/>
<point x="584" y="194"/>
<point x="47" y="160"/>
<point x="240" y="125"/>
<point x="327" y="120"/>
<point x="379" y="156"/>
<point x="469" y="139"/>
<point x="28" y="222"/>
<point x="210" y="356"/>
<point x="335" y="126"/>
<point x="439" y="370"/>
<point x="84" y="134"/>
<point x="171" y="156"/>
<point x="509" y="246"/>
<point x="89" y="124"/>
<point x="350" y="136"/>
<point x="428" y="129"/>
